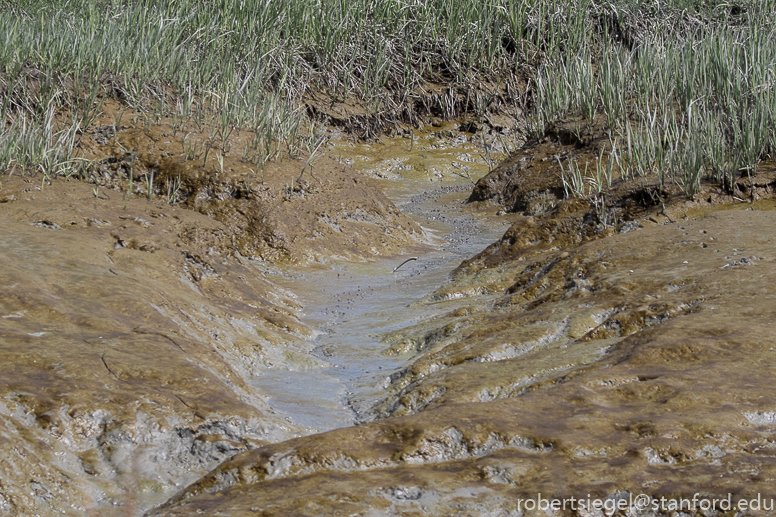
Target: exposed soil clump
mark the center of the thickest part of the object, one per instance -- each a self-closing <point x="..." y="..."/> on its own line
<point x="302" y="209"/>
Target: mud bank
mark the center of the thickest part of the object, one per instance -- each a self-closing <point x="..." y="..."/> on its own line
<point x="588" y="359"/>
<point x="132" y="330"/>
<point x="639" y="362"/>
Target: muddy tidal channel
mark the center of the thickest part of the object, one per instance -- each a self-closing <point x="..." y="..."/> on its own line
<point x="353" y="305"/>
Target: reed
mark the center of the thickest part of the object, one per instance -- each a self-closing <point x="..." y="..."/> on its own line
<point x="232" y="65"/>
<point x="693" y="100"/>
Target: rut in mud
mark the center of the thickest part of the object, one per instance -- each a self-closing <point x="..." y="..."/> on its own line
<point x="141" y="347"/>
<point x="351" y="306"/>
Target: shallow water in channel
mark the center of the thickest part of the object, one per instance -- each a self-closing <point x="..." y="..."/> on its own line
<point x="352" y="304"/>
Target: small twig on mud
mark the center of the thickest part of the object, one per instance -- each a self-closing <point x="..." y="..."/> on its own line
<point x="400" y="265"/>
<point x="102" y="357"/>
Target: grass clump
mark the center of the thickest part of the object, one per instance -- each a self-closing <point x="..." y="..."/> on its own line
<point x="693" y="98"/>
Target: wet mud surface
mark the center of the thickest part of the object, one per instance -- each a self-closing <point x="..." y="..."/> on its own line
<point x="582" y="358"/>
<point x="141" y="348"/>
<point x="125" y="352"/>
<point x="640" y="362"/>
<point x="133" y="332"/>
<point x="200" y="359"/>
<point x="351" y="306"/>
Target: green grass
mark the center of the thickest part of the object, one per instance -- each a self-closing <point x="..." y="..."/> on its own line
<point x="228" y="64"/>
<point x="249" y="64"/>
<point x="693" y="102"/>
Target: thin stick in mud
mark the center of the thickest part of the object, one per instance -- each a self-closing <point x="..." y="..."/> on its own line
<point x="400" y="265"/>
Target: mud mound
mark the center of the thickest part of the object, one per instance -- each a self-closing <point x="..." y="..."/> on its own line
<point x="293" y="208"/>
<point x="536" y="179"/>
<point x="530" y="180"/>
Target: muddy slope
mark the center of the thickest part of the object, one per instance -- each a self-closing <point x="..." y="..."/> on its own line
<point x="607" y="349"/>
<point x="294" y="208"/>
<point x="131" y="330"/>
<point x="638" y="362"/>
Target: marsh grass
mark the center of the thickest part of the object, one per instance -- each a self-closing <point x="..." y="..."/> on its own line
<point x="693" y="101"/>
<point x="226" y="65"/>
<point x="217" y="66"/>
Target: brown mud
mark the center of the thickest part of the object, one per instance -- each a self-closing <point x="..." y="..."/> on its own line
<point x="143" y="312"/>
<point x="603" y="348"/>
<point x="591" y="359"/>
<point x="127" y="340"/>
<point x="133" y="325"/>
<point x="639" y="362"/>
